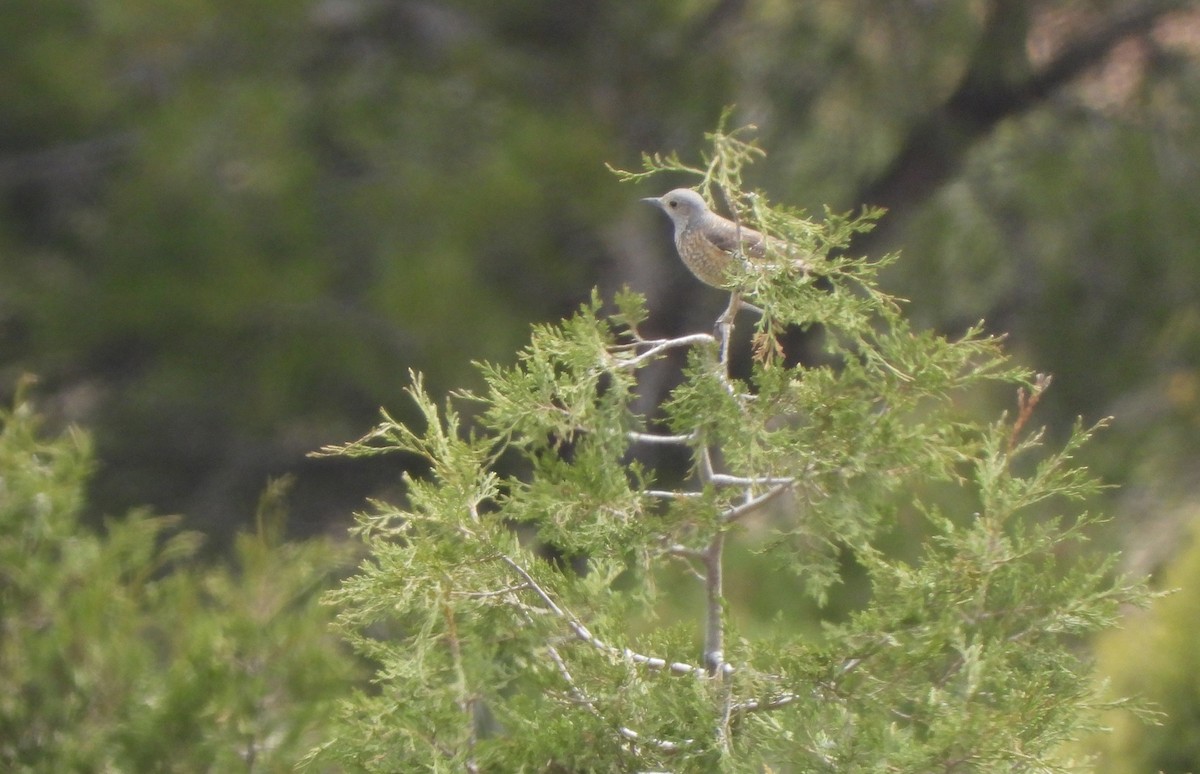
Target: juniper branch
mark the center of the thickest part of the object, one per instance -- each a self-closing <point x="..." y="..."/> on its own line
<point x="659" y="346"/>
<point x="624" y="731"/>
<point x="737" y="512"/>
<point x="584" y="634"/>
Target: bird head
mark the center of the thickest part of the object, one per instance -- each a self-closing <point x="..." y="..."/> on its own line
<point x="683" y="205"/>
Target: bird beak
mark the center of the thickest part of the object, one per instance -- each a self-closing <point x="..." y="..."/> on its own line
<point x="657" y="202"/>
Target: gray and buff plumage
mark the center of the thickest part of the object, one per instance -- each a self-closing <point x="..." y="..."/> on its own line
<point x="707" y="242"/>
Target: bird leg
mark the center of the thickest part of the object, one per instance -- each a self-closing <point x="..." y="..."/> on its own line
<point x="724" y="325"/>
<point x="725" y="321"/>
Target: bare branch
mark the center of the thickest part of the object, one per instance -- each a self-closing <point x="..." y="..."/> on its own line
<point x="721" y="478"/>
<point x="737" y="512"/>
<point x="658" y="346"/>
<point x="682" y="550"/>
<point x="486" y="594"/>
<point x="582" y="698"/>
<point x="584" y="634"/>
<point x="706" y="466"/>
<point x="714" y="626"/>
<point x="678" y="440"/>
<point x="670" y="494"/>
<point x="688" y="556"/>
<point x="790" y="697"/>
<point x="762" y="705"/>
<point x="661" y="744"/>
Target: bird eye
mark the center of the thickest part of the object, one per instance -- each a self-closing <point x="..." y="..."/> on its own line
<point x="672" y="203"/>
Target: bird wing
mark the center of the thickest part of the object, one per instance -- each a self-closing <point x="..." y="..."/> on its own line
<point x="724" y="234"/>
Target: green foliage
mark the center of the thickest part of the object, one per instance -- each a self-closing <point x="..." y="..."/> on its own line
<point x="122" y="652"/>
<point x="492" y="657"/>
<point x="1155" y="657"/>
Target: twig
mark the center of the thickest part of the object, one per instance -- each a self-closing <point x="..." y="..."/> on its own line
<point x="723" y="724"/>
<point x="661" y="744"/>
<point x="679" y="440"/>
<point x="584" y="634"/>
<point x="486" y="594"/>
<point x="721" y="478"/>
<point x="790" y="697"/>
<point x="670" y="494"/>
<point x="579" y="696"/>
<point x="678" y="549"/>
<point x="737" y="512"/>
<point x="752" y="308"/>
<point x="658" y="346"/>
<point x="1026" y="403"/>
<point x="706" y="466"/>
<point x="687" y="556"/>
<point x="762" y="705"/>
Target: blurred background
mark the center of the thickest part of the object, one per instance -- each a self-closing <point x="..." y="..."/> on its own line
<point x="229" y="228"/>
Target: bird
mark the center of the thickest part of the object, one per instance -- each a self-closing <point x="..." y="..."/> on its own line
<point x="708" y="243"/>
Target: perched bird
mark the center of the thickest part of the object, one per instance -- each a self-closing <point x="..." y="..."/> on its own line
<point x="707" y="242"/>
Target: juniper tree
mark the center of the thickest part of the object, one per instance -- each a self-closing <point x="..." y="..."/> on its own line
<point x="494" y="656"/>
<point x="122" y="650"/>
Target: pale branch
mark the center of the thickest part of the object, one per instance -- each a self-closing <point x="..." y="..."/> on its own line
<point x="530" y="609"/>
<point x="726" y="718"/>
<point x="569" y="679"/>
<point x="677" y="440"/>
<point x="653" y="662"/>
<point x="661" y="744"/>
<point x="688" y="556"/>
<point x="658" y="346"/>
<point x="850" y="665"/>
<point x="584" y="634"/>
<point x="669" y="494"/>
<point x="582" y="698"/>
<point x="722" y="478"/>
<point x="713" y="556"/>
<point x="678" y="549"/>
<point x="787" y="698"/>
<point x="714" y="627"/>
<point x="763" y="705"/>
<point x="738" y="511"/>
<point x="706" y="472"/>
<point x="486" y="594"/>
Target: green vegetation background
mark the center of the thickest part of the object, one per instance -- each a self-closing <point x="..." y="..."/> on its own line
<point x="228" y="229"/>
